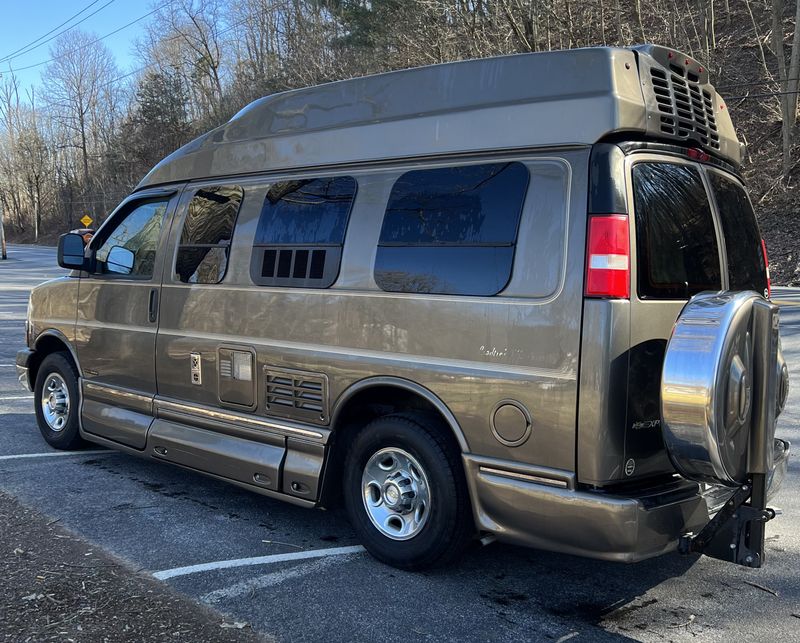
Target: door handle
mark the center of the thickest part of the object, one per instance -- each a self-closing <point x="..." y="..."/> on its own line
<point x="152" y="310"/>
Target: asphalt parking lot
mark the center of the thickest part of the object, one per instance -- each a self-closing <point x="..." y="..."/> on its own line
<point x="298" y="575"/>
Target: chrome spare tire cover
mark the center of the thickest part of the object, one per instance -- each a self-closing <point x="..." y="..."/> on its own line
<point x="707" y="388"/>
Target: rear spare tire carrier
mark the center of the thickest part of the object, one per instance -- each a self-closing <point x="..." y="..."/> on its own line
<point x="720" y="397"/>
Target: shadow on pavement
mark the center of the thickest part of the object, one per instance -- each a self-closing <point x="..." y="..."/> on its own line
<point x="596" y="593"/>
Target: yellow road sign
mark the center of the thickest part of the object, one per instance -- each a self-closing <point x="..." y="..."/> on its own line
<point x="87" y="220"/>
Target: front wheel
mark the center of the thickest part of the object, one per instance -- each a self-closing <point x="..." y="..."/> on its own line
<point x="56" y="401"/>
<point x="405" y="493"/>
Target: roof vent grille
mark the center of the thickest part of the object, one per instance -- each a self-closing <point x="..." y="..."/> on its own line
<point x="686" y="111"/>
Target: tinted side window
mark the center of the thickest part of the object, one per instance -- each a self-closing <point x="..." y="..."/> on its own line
<point x="206" y="236"/>
<point x="676" y="241"/>
<point x="138" y="232"/>
<point x="301" y="232"/>
<point x="746" y="269"/>
<point x="452" y="230"/>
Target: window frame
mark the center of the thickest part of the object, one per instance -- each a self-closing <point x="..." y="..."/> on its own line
<point x="174" y="277"/>
<point x="127" y="206"/>
<point x="512" y="244"/>
<point x="258" y="250"/>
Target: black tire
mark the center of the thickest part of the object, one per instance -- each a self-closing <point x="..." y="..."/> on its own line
<point x="449" y="526"/>
<point x="67" y="437"/>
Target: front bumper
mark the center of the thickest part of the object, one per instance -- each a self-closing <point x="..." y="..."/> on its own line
<point x="626" y="528"/>
<point x="24" y="358"/>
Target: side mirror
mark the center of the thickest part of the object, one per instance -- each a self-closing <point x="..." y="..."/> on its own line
<point x="119" y="261"/>
<point x="71" y="251"/>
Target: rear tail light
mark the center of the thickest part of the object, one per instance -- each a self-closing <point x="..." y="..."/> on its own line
<point x="766" y="267"/>
<point x="608" y="261"/>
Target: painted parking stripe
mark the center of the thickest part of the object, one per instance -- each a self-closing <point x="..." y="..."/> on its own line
<point x="258" y="560"/>
<point x="271" y="579"/>
<point x="15" y="397"/>
<point x="52" y="454"/>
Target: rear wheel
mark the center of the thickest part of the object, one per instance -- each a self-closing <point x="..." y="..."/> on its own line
<point x="405" y="493"/>
<point x="56" y="402"/>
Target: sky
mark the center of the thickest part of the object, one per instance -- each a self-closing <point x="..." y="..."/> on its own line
<point x="24" y="21"/>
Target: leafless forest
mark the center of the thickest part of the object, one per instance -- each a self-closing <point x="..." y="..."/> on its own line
<point x="79" y="140"/>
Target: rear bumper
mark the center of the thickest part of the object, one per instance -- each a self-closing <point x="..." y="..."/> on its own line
<point x="24" y="358"/>
<point x="520" y="510"/>
<point x="778" y="473"/>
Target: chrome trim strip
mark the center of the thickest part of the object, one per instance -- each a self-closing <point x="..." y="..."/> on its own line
<point x="125" y="394"/>
<point x="524" y="477"/>
<point x="236" y="418"/>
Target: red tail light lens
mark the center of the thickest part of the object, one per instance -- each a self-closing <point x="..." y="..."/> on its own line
<point x="766" y="265"/>
<point x="697" y="155"/>
<point x="608" y="261"/>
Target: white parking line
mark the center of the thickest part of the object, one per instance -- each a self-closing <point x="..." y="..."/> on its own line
<point x="249" y="585"/>
<point x="258" y="560"/>
<point x="15" y="397"/>
<point x="51" y="454"/>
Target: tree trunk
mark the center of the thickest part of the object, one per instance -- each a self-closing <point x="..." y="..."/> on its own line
<point x="3" y="254"/>
<point x="639" y="20"/>
<point x="602" y="23"/>
<point x="789" y="84"/>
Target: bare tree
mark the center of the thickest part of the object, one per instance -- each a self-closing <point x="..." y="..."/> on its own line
<point x="788" y="72"/>
<point x="185" y="39"/>
<point x="75" y="81"/>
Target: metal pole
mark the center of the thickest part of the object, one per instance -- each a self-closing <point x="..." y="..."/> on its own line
<point x="3" y="254"/>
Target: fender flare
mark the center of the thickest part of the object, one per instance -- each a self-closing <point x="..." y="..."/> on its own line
<point x="408" y="385"/>
<point x="52" y="332"/>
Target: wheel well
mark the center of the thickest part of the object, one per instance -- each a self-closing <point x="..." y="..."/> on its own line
<point x="358" y="411"/>
<point x="45" y="346"/>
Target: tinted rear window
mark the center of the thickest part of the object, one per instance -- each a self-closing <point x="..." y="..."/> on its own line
<point x="746" y="269"/>
<point x="676" y="242"/>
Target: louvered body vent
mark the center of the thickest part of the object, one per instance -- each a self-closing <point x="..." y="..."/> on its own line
<point x="297" y="264"/>
<point x="296" y="393"/>
<point x="686" y="110"/>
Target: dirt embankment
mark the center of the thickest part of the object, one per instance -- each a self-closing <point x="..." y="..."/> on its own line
<point x="56" y="587"/>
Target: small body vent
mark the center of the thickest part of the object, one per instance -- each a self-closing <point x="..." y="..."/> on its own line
<point x="300" y="267"/>
<point x="293" y="263"/>
<point x="686" y="111"/>
<point x="296" y="393"/>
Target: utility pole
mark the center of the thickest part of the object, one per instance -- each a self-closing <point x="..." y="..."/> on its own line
<point x="3" y="254"/>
